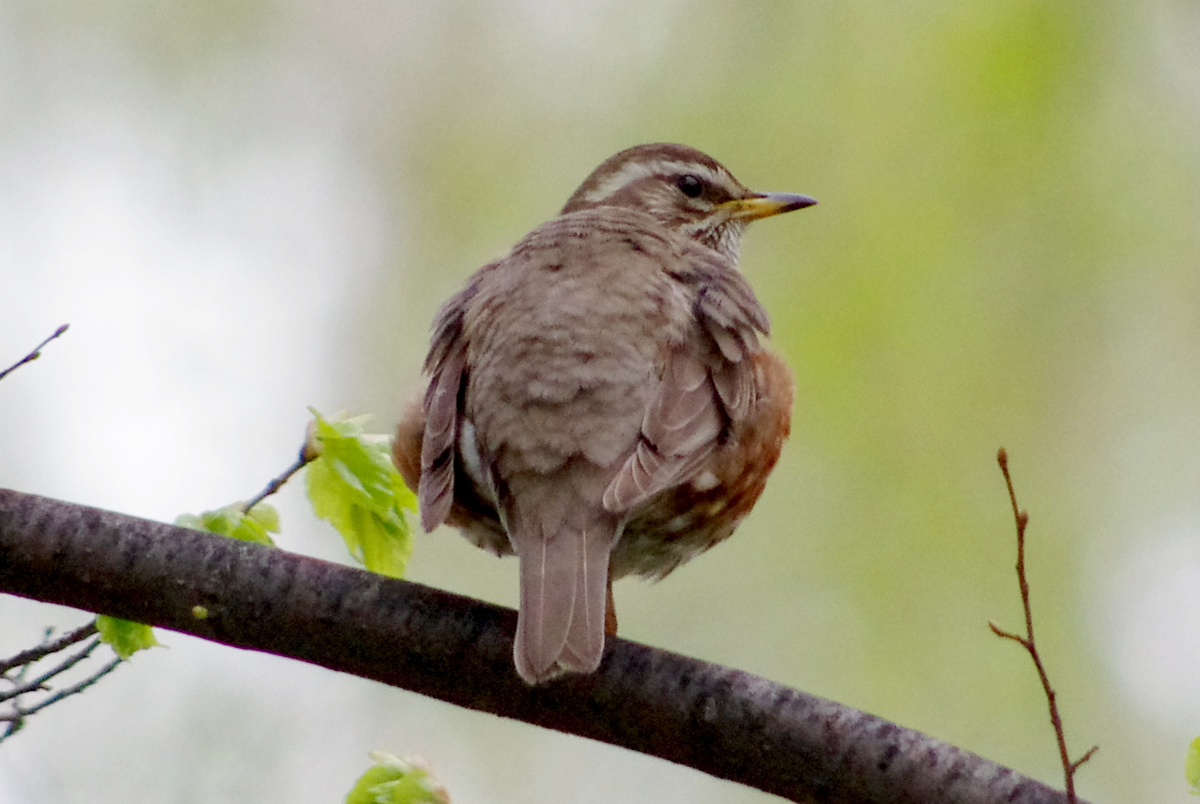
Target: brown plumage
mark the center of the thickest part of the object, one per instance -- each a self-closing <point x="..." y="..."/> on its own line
<point x="599" y="400"/>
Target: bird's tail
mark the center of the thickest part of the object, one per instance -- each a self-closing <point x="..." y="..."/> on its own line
<point x="564" y="591"/>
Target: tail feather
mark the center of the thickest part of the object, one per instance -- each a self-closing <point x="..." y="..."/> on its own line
<point x="564" y="587"/>
<point x="548" y="579"/>
<point x="585" y="639"/>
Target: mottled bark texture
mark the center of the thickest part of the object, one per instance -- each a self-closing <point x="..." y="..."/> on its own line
<point x="724" y="722"/>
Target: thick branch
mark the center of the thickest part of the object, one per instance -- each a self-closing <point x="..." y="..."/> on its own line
<point x="730" y="724"/>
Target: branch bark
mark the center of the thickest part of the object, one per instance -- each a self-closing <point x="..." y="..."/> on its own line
<point x="724" y="722"/>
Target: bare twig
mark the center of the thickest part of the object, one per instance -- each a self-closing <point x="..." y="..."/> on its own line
<point x="305" y="457"/>
<point x="35" y="354"/>
<point x="46" y="648"/>
<point x="15" y="713"/>
<point x="39" y="683"/>
<point x="75" y="688"/>
<point x="1028" y="642"/>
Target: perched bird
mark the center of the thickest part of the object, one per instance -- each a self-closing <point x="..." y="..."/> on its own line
<point x="599" y="400"/>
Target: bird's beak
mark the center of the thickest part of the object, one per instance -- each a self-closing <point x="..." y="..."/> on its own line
<point x="766" y="205"/>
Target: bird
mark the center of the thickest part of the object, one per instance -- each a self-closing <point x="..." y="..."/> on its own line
<point x="601" y="401"/>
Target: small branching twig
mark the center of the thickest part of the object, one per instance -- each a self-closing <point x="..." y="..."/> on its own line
<point x="46" y="648"/>
<point x="35" y="354"/>
<point x="74" y="688"/>
<point x="1028" y="642"/>
<point x="23" y="687"/>
<point x="16" y="713"/>
<point x="306" y="456"/>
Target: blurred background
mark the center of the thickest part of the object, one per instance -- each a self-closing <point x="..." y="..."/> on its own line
<point x="245" y="208"/>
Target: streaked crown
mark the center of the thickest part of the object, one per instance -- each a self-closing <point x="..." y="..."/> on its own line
<point x="685" y="190"/>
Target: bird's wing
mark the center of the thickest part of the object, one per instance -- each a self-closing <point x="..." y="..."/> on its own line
<point x="707" y="383"/>
<point x="446" y="365"/>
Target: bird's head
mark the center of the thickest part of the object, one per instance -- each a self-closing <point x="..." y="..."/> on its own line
<point x="685" y="190"/>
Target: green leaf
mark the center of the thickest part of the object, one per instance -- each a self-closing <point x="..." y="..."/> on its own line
<point x="397" y="781"/>
<point x="233" y="522"/>
<point x="125" y="637"/>
<point x="266" y="516"/>
<point x="355" y="487"/>
<point x="1192" y="767"/>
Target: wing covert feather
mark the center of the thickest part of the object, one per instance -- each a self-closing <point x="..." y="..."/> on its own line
<point x="706" y="385"/>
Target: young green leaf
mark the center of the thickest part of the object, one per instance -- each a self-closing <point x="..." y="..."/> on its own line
<point x="233" y="522"/>
<point x="126" y="638"/>
<point x="355" y="487"/>
<point x="397" y="781"/>
<point x="1192" y="767"/>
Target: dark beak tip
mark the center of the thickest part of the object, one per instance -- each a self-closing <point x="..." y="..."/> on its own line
<point x="800" y="202"/>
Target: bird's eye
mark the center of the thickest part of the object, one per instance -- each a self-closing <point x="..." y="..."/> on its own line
<point x="690" y="185"/>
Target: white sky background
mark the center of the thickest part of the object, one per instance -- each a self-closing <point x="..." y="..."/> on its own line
<point x="209" y="241"/>
<point x="203" y="289"/>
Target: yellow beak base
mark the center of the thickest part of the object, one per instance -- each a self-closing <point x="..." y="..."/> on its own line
<point x="766" y="205"/>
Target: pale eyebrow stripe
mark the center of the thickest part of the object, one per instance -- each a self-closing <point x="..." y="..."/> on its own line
<point x="633" y="171"/>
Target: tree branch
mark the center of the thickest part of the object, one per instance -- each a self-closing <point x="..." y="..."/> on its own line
<point x="724" y="722"/>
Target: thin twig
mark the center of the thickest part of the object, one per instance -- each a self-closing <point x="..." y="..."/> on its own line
<point x="17" y="717"/>
<point x="77" y="688"/>
<point x="305" y="457"/>
<point x="1028" y="642"/>
<point x="1087" y="755"/>
<point x="39" y="683"/>
<point x="16" y="714"/>
<point x="46" y="648"/>
<point x="35" y="354"/>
